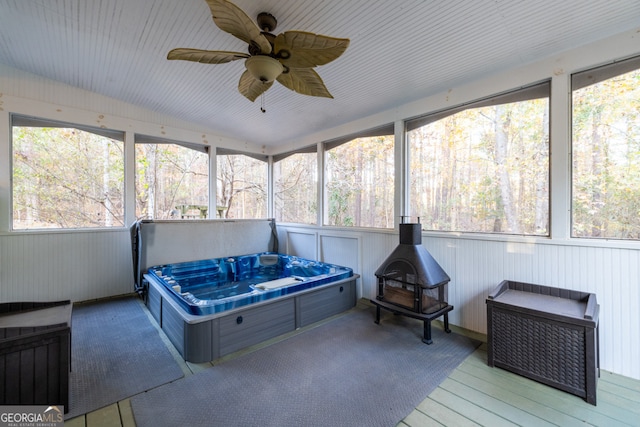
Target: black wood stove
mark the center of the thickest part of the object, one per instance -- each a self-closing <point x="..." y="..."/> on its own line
<point x="412" y="283"/>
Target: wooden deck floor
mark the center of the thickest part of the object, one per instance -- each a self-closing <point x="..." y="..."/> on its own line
<point x="473" y="395"/>
<point x="478" y="395"/>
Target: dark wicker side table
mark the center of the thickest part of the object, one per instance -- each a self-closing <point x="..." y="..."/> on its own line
<point x="547" y="334"/>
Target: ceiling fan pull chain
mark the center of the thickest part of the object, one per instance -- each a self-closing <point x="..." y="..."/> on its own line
<point x="262" y="103"/>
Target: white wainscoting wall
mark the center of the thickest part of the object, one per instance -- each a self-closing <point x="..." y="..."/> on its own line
<point x="80" y="266"/>
<point x="477" y="265"/>
<point x="340" y="248"/>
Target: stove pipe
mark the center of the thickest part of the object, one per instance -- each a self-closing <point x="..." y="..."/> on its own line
<point x="411" y="258"/>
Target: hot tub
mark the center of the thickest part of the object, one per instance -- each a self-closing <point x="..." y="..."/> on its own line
<point x="216" y="285"/>
<point x="209" y="308"/>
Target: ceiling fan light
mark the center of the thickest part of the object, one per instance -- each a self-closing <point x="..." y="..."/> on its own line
<point x="264" y="68"/>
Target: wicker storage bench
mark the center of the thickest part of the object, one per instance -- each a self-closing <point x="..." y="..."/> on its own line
<point x="546" y="334"/>
<point x="35" y="353"/>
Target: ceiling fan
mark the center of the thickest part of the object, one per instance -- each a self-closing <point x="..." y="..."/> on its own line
<point x="288" y="57"/>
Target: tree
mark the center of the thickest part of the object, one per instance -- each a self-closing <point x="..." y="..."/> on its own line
<point x="483" y="169"/>
<point x="606" y="158"/>
<point x="295" y="192"/>
<point x="360" y="183"/>
<point x="66" y="178"/>
<point x="171" y="179"/>
<point x="242" y="186"/>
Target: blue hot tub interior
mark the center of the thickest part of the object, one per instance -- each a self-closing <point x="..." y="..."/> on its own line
<point x="215" y="285"/>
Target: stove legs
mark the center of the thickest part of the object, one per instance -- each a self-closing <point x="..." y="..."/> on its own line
<point x="446" y="323"/>
<point x="427" y="332"/>
<point x="426" y="318"/>
<point x="427" y="329"/>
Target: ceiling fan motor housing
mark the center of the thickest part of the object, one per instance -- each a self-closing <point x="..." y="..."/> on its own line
<point x="267" y="22"/>
<point x="254" y="49"/>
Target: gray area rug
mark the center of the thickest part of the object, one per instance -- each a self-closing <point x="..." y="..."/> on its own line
<point x="115" y="353"/>
<point x="346" y="372"/>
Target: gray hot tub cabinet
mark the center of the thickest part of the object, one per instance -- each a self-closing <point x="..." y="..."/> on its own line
<point x="205" y="338"/>
<point x="546" y="334"/>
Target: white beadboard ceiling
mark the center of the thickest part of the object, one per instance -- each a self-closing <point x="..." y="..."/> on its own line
<point x="400" y="51"/>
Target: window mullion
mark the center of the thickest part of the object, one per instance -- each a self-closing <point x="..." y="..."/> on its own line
<point x="5" y="177"/>
<point x="129" y="178"/>
<point x="560" y="158"/>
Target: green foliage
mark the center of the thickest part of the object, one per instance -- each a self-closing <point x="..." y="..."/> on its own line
<point x="483" y="170"/>
<point x="360" y="183"/>
<point x="66" y="178"/>
<point x="606" y="159"/>
<point x="242" y="186"/>
<point x="296" y="188"/>
<point x="169" y="176"/>
<point x="479" y="170"/>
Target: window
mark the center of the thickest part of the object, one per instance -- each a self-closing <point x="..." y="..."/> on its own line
<point x="483" y="167"/>
<point x="606" y="152"/>
<point x="295" y="178"/>
<point x="242" y="185"/>
<point x="66" y="176"/>
<point x="359" y="180"/>
<point x="172" y="179"/>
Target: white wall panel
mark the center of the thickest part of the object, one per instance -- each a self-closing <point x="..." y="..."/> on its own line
<point x="375" y="249"/>
<point x="56" y="266"/>
<point x="300" y="243"/>
<point x="341" y="250"/>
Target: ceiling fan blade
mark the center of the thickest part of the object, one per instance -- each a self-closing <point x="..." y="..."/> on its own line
<point x="205" y="56"/>
<point x="299" y="49"/>
<point x="305" y="81"/>
<point x="252" y="88"/>
<point x="230" y="18"/>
